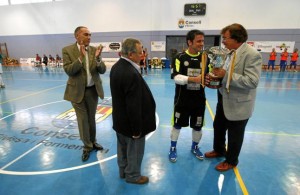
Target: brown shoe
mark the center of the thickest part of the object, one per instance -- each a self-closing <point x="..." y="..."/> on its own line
<point x="141" y="180"/>
<point x="212" y="154"/>
<point x="224" y="166"/>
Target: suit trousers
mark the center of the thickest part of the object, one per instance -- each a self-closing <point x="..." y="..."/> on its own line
<point x="235" y="130"/>
<point x="85" y="113"/>
<point x="130" y="155"/>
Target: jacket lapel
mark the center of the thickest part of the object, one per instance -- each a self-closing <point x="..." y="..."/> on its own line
<point x="90" y="54"/>
<point x="76" y="50"/>
<point x="240" y="56"/>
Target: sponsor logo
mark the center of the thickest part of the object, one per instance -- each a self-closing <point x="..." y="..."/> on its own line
<point x="114" y="46"/>
<point x="68" y="119"/>
<point x="181" y="23"/>
<point x="188" y="23"/>
<point x="186" y="63"/>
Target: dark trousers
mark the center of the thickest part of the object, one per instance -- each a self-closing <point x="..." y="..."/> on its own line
<point x="282" y="64"/>
<point x="85" y="113"/>
<point x="271" y="63"/>
<point x="130" y="155"/>
<point x="235" y="131"/>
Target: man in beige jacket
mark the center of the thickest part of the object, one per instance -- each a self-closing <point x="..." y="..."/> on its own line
<point x="83" y="64"/>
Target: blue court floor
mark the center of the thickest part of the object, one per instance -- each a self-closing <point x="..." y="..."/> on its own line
<point x="40" y="150"/>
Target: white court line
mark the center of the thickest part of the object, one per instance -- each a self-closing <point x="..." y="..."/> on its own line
<point x="38" y="145"/>
<point x="21" y="156"/>
<point x="2" y="171"/>
<point x="30" y="108"/>
<point x="57" y="170"/>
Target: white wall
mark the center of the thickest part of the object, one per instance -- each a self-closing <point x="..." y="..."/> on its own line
<point x="144" y="15"/>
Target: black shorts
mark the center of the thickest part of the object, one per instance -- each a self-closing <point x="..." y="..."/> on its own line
<point x="191" y="115"/>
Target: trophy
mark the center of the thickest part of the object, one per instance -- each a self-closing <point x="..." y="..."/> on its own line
<point x="217" y="56"/>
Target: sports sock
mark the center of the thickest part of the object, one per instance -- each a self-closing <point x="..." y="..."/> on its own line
<point x="174" y="136"/>
<point x="196" y="137"/>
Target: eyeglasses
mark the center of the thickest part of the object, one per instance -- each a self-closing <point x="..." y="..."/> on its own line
<point x="226" y="38"/>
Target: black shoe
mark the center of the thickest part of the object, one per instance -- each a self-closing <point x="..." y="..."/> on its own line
<point x="97" y="146"/>
<point x="122" y="175"/>
<point x="85" y="155"/>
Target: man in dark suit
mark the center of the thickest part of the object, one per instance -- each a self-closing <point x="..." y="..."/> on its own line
<point x="83" y="64"/>
<point x="240" y="77"/>
<point x="133" y="111"/>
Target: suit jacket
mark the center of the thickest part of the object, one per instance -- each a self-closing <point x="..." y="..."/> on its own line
<point x="76" y="71"/>
<point x="238" y="104"/>
<point x="133" y="104"/>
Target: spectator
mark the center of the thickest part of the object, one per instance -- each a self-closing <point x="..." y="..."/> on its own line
<point x="283" y="60"/>
<point x="1" y="59"/>
<point x="38" y="60"/>
<point x="57" y="60"/>
<point x="294" y="58"/>
<point x="2" y="85"/>
<point x="45" y="60"/>
<point x="272" y="59"/>
<point x="143" y="63"/>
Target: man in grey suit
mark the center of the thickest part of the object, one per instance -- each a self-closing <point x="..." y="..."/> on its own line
<point x="236" y="97"/>
<point x="133" y="111"/>
<point x="83" y="64"/>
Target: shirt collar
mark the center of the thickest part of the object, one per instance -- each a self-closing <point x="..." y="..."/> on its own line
<point x="135" y="65"/>
<point x="78" y="46"/>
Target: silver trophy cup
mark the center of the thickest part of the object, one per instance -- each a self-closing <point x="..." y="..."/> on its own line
<point x="217" y="56"/>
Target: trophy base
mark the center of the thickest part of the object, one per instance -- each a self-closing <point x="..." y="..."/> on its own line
<point x="214" y="84"/>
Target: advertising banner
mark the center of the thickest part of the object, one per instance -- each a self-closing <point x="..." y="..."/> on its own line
<point x="158" y="46"/>
<point x="267" y="46"/>
<point x="108" y="46"/>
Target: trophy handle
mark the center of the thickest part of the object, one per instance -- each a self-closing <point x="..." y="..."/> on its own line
<point x="203" y="68"/>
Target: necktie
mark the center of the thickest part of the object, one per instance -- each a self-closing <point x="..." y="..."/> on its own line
<point x="230" y="70"/>
<point x="87" y="68"/>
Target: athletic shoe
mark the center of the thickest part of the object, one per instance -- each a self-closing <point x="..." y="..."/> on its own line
<point x="173" y="154"/>
<point x="198" y="154"/>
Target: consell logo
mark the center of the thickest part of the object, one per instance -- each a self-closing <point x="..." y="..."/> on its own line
<point x="188" y="23"/>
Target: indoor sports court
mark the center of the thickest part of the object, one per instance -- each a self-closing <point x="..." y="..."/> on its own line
<point x="41" y="151"/>
<point x="40" y="147"/>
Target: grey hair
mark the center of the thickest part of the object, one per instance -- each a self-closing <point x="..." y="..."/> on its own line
<point x="129" y="45"/>
<point x="78" y="29"/>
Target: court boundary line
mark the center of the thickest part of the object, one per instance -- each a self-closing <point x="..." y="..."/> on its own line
<point x="31" y="94"/>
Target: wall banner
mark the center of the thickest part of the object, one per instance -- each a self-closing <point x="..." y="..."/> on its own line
<point x="158" y="46"/>
<point x="267" y="46"/>
<point x="108" y="46"/>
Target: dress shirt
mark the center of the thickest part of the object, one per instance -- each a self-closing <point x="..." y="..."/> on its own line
<point x="137" y="67"/>
<point x="90" y="81"/>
